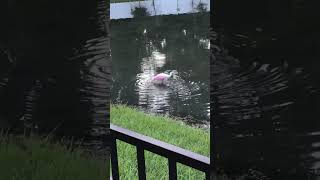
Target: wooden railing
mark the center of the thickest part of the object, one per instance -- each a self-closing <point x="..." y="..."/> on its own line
<point x="173" y="153"/>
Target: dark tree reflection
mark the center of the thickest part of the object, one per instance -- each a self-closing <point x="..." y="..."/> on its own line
<point x="140" y="11"/>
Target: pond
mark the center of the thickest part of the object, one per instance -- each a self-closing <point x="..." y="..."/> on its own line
<point x="145" y="46"/>
<point x="266" y="98"/>
<point x="55" y="69"/>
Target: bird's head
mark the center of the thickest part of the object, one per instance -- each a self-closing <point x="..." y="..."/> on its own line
<point x="172" y="74"/>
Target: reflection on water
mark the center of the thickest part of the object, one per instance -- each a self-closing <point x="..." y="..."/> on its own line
<point x="265" y="102"/>
<point x="55" y="69"/>
<point x="159" y="7"/>
<point x="153" y="97"/>
<point x="142" y="48"/>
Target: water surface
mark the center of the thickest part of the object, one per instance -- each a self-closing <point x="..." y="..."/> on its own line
<point x="265" y="91"/>
<point x="55" y="69"/>
<point x="144" y="47"/>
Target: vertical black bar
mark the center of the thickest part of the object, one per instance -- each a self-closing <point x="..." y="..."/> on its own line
<point x="172" y="169"/>
<point x="213" y="108"/>
<point x="114" y="159"/>
<point x="141" y="163"/>
<point x="207" y="175"/>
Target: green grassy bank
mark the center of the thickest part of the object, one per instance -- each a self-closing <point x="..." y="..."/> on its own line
<point x="23" y="158"/>
<point x="161" y="128"/>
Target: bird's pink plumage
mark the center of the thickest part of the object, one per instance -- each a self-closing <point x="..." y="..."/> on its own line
<point x="159" y="77"/>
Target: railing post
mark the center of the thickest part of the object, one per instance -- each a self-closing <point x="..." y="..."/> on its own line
<point x="141" y="163"/>
<point x="172" y="169"/>
<point x="207" y="175"/>
<point x="114" y="159"/>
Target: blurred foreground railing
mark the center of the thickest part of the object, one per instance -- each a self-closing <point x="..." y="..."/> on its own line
<point x="173" y="153"/>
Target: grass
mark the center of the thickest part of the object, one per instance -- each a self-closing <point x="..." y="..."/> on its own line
<point x="162" y="128"/>
<point x="35" y="158"/>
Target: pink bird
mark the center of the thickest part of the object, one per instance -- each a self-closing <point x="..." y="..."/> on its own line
<point x="161" y="78"/>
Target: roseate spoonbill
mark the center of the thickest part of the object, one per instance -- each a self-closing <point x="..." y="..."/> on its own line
<point x="161" y="78"/>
